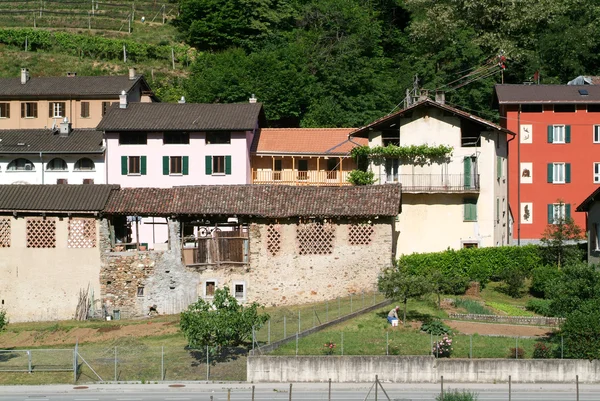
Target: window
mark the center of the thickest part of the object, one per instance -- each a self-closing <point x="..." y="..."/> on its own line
<point x="133" y="165"/>
<point x="62" y="181"/>
<point x="559" y="134"/>
<point x="239" y="290"/>
<point x="559" y="173"/>
<point x="218" y="137"/>
<point x="593" y="108"/>
<point x="84" y="164"/>
<point x="303" y="169"/>
<point x="466" y="245"/>
<point x="596" y="133"/>
<point x="20" y="165"/>
<point x="133" y="138"/>
<point x="532" y="108"/>
<point x="140" y="291"/>
<point x="596" y="173"/>
<point x="85" y="109"/>
<point x="29" y="110"/>
<point x="56" y="109"/>
<point x="564" y="108"/>
<point x="105" y="106"/>
<point x="88" y="181"/>
<point x="558" y="212"/>
<point x="176" y="138"/>
<point x="470" y="209"/>
<point x="175" y="165"/>
<point x="209" y="288"/>
<point x="4" y="110"/>
<point x="216" y="165"/>
<point x="278" y="166"/>
<point x="391" y="170"/>
<point x="56" y="164"/>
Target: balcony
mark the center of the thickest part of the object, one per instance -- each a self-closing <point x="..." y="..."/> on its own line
<point x="295" y="177"/>
<point x="434" y="183"/>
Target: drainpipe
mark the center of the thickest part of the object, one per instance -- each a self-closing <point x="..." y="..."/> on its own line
<point x="519" y="177"/>
<point x="508" y="180"/>
<point x="42" y="161"/>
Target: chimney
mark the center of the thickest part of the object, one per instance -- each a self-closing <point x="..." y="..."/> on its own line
<point x="123" y="100"/>
<point x="65" y="128"/>
<point x="71" y="74"/>
<point x="440" y="97"/>
<point x="24" y="76"/>
<point x="182" y="100"/>
<point x="132" y="73"/>
<point x="253" y="99"/>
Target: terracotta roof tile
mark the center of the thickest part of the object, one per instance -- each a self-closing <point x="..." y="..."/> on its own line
<point x="271" y="201"/>
<point x="305" y="141"/>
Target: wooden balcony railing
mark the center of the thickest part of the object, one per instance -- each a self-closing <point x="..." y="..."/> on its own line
<point x="295" y="177"/>
<point x="430" y="183"/>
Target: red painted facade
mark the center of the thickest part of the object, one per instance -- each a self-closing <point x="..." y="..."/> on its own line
<point x="579" y="153"/>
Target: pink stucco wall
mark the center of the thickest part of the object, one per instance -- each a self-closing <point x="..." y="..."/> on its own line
<point x="196" y="150"/>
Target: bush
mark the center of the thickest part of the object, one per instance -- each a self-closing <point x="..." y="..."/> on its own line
<point x="472" y="307"/>
<point x="542" y="351"/>
<point x="514" y="281"/>
<point x="443" y="348"/>
<point x="435" y="327"/>
<point x="457" y="395"/>
<point x="541" y="278"/>
<point x="540" y="306"/>
<point x="358" y="177"/>
<point x="581" y="333"/>
<point x="516" y="353"/>
<point x="3" y="320"/>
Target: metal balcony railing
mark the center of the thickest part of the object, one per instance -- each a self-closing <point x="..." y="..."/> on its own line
<point x="434" y="183"/>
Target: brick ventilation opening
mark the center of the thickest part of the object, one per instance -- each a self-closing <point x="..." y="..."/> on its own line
<point x="41" y="233"/>
<point x="273" y="239"/>
<point x="5" y="233"/>
<point x="82" y="233"/>
<point x="315" y="238"/>
<point x="360" y="233"/>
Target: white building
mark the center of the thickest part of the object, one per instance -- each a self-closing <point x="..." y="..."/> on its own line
<point x="455" y="201"/>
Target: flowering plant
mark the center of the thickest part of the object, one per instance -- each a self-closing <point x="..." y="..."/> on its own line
<point x="442" y="348"/>
<point x="329" y="347"/>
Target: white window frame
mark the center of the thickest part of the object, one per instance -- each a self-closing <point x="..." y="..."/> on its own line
<point x="394" y="174"/>
<point x="244" y="293"/>
<point x="209" y="280"/>
<point x="596" y="172"/>
<point x="555" y="137"/>
<point x="558" y="173"/>
<point x="57" y="110"/>
<point x="596" y="133"/>
<point x="558" y="211"/>
<point x="5" y="108"/>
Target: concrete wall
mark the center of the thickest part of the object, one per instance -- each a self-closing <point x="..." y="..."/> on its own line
<point x="40" y="174"/>
<point x="44" y="283"/>
<point x="418" y="369"/>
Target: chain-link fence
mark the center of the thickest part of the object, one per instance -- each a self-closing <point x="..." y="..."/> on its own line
<point x="37" y="360"/>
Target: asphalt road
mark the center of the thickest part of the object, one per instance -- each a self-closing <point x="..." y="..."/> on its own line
<point x="300" y="392"/>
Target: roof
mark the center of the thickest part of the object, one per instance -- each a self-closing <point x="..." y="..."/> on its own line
<point x="49" y="141"/>
<point x="66" y="87"/>
<point x="390" y="118"/>
<point x="585" y="205"/>
<point x="182" y="117"/>
<point x="55" y="198"/>
<point x="538" y="94"/>
<point x="269" y="201"/>
<point x="313" y="141"/>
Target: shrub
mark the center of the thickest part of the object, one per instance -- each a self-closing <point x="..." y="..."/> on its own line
<point x="329" y="347"/>
<point x="542" y="351"/>
<point x="443" y="348"/>
<point x="510" y="310"/>
<point x="514" y="281"/>
<point x="540" y="306"/>
<point x="435" y="327"/>
<point x="3" y="320"/>
<point x="541" y="278"/>
<point x="457" y="395"/>
<point x="472" y="307"/>
<point x="358" y="177"/>
<point x="516" y="353"/>
<point x="581" y="333"/>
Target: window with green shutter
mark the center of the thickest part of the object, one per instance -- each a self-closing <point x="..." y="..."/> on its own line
<point x="143" y="165"/>
<point x="208" y="165"/>
<point x="567" y="134"/>
<point x="497" y="210"/>
<point x="186" y="165"/>
<point x="165" y="165"/>
<point x="123" y="165"/>
<point x="550" y="133"/>
<point x="498" y="167"/>
<point x="228" y="165"/>
<point x="470" y="209"/>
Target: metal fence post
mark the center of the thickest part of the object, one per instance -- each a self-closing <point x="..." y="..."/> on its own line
<point x="284" y="327"/>
<point x="299" y="321"/>
<point x="290" y="392"/>
<point x="471" y="346"/>
<point x="269" y="332"/>
<point x="314" y="314"/>
<point x="207" y="365"/>
<point x="350" y="303"/>
<point x="252" y="393"/>
<point x="509" y="388"/>
<point x="442" y="383"/>
<point x="562" y="346"/>
<point x="387" y="342"/>
<point x="75" y="364"/>
<point x="342" y="343"/>
<point x="577" y="386"/>
<point x="517" y="348"/>
<point x="162" y="363"/>
<point x="326" y="311"/>
<point x="296" y="344"/>
<point x="431" y="342"/>
<point x="339" y="307"/>
<point x="363" y="298"/>
<point x="115" y="363"/>
<point x="329" y="393"/>
<point x="29" y="361"/>
<point x="253" y="340"/>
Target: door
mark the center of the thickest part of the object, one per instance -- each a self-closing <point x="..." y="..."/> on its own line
<point x="277" y="170"/>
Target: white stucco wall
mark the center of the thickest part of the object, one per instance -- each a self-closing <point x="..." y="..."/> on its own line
<point x="40" y="175"/>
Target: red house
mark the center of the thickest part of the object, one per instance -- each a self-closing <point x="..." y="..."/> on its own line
<point x="555" y="155"/>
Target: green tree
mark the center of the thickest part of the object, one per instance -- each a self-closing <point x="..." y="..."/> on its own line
<point x="398" y="284"/>
<point x="3" y="320"/>
<point x="558" y="239"/>
<point x="579" y="285"/>
<point x="220" y="323"/>
<point x="581" y="333"/>
<point x="447" y="283"/>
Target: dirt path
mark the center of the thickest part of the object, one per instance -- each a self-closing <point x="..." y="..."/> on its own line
<point x="498" y="329"/>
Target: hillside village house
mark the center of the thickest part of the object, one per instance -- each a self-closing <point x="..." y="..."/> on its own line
<point x="274" y="244"/>
<point x="43" y="102"/>
<point x="166" y="145"/>
<point x="60" y="156"/>
<point x="555" y="156"/>
<point x="455" y="201"/>
<point x="303" y="156"/>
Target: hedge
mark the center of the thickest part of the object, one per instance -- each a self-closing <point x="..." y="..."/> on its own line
<point x="478" y="264"/>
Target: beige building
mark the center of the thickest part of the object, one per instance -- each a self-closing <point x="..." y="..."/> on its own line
<point x="449" y="202"/>
<point x="44" y="102"/>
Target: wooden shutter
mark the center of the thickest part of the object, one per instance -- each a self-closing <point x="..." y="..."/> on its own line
<point x="550" y="171"/>
<point x="123" y="165"/>
<point x="185" y="163"/>
<point x="228" y="165"/>
<point x="498" y="210"/>
<point x="165" y="165"/>
<point x="550" y="133"/>
<point x="51" y="109"/>
<point x="567" y="172"/>
<point x="467" y="175"/>
<point x="499" y="166"/>
<point x="23" y="110"/>
<point x="143" y="165"/>
<point x="208" y="161"/>
<point x="550" y="213"/>
<point x="7" y="110"/>
<point x="567" y="134"/>
<point x="567" y="211"/>
<point x="34" y="108"/>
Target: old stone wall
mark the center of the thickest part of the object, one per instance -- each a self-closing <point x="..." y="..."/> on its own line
<point x="535" y="320"/>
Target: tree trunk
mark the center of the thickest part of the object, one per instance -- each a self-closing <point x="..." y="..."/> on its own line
<point x="404" y="320"/>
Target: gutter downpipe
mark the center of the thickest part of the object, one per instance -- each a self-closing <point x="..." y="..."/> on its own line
<point x="508" y="183"/>
<point x="519" y="177"/>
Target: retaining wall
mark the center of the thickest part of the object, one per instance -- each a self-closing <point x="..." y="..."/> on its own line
<point x="418" y="369"/>
<point x="528" y="320"/>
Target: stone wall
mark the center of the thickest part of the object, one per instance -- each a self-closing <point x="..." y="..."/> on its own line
<point x="530" y="320"/>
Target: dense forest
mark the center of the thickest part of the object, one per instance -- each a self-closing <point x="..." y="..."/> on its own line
<point x="344" y="63"/>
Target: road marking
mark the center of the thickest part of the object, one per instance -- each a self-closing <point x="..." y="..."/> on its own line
<point x="176" y="398"/>
<point x="86" y="399"/>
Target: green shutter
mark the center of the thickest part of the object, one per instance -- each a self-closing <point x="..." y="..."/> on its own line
<point x="123" y="165"/>
<point x="550" y="133"/>
<point x="467" y="166"/>
<point x="550" y="170"/>
<point x="567" y="211"/>
<point x="567" y="134"/>
<point x="165" y="165"/>
<point x="550" y="213"/>
<point x="470" y="209"/>
<point x="208" y="161"/>
<point x="498" y="210"/>
<point x="567" y="172"/>
<point x="143" y="165"/>
<point x="228" y="165"/>
<point x="499" y="166"/>
<point x="185" y="165"/>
